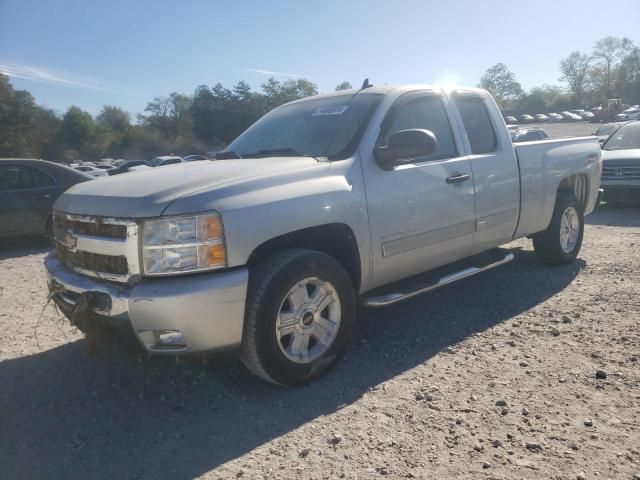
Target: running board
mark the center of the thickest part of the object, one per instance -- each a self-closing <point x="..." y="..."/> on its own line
<point x="409" y="291"/>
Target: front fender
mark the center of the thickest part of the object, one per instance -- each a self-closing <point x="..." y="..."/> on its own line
<point x="264" y="209"/>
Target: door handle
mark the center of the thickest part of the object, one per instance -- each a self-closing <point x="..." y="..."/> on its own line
<point x="41" y="197"/>
<point x="457" y="178"/>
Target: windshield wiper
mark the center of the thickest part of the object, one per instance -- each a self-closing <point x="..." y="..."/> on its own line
<point x="227" y="154"/>
<point x="276" y="152"/>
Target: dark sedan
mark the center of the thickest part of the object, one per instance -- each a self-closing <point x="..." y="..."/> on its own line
<point x="28" y="189"/>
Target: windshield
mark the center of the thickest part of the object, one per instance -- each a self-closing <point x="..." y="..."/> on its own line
<point x="625" y="138"/>
<point x="606" y="129"/>
<point x="325" y="127"/>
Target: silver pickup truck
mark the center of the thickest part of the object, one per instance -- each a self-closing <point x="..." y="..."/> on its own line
<point x="371" y="196"/>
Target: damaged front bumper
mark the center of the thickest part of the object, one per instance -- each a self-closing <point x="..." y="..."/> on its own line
<point x="206" y="309"/>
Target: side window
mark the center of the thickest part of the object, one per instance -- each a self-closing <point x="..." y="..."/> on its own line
<point x="428" y="113"/>
<point x="477" y="123"/>
<point x="41" y="179"/>
<point x="15" y="177"/>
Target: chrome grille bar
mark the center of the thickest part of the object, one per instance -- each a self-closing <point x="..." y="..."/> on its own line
<point x="106" y="240"/>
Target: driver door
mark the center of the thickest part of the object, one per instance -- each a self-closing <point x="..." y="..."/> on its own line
<point x="421" y="213"/>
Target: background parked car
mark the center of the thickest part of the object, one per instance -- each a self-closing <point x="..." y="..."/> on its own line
<point x="129" y="166"/>
<point x="165" y="160"/>
<point x="541" y="117"/>
<point x="632" y="113"/>
<point x="554" y="117"/>
<point x="510" y="119"/>
<point x="527" y="119"/>
<point x="570" y="117"/>
<point x="28" y="189"/>
<point x="621" y="165"/>
<point x="588" y="116"/>
<point x="605" y="131"/>
<point x="528" y="135"/>
<point x="194" y="158"/>
<point x="91" y="170"/>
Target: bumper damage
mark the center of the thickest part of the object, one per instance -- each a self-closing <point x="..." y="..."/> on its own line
<point x="177" y="315"/>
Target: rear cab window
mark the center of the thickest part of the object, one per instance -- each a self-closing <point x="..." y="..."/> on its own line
<point x="477" y="122"/>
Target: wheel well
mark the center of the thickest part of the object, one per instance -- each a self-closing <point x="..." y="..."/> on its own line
<point x="335" y="239"/>
<point x="579" y="186"/>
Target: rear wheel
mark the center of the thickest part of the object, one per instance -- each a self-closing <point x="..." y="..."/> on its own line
<point x="560" y="243"/>
<point x="300" y="315"/>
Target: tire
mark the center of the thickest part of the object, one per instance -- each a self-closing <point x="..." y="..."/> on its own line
<point x="48" y="231"/>
<point x="551" y="246"/>
<point x="267" y="350"/>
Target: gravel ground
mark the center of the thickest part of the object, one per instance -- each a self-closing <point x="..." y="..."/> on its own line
<point x="495" y="377"/>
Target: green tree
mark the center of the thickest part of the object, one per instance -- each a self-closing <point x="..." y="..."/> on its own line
<point x="544" y="99"/>
<point x="171" y="115"/>
<point x="575" y="69"/>
<point x="502" y="84"/>
<point x="277" y="93"/>
<point x="203" y="114"/>
<point x="26" y="129"/>
<point x="112" y="134"/>
<point x="628" y="79"/>
<point x="76" y="132"/>
<point x="114" y="118"/>
<point x="608" y="51"/>
<point x="242" y="90"/>
<point x="343" y="86"/>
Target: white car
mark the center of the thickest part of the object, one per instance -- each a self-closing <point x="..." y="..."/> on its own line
<point x="570" y="117"/>
<point x="554" y="117"/>
<point x="632" y="113"/>
<point x="91" y="170"/>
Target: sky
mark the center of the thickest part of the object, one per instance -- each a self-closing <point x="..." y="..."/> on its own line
<point x="95" y="52"/>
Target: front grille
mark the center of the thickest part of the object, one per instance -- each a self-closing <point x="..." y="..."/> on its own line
<point x="106" y="248"/>
<point x="93" y="262"/>
<point x="96" y="228"/>
<point x="621" y="173"/>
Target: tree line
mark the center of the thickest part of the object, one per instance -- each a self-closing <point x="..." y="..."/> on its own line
<point x="177" y="123"/>
<point x="610" y="70"/>
<point x="213" y="116"/>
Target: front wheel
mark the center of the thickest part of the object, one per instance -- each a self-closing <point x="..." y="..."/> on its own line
<point x="560" y="243"/>
<point x="300" y="314"/>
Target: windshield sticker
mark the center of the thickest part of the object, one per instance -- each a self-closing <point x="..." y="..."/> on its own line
<point x="330" y="110"/>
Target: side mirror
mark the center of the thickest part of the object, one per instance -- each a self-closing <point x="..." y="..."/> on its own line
<point x="405" y="146"/>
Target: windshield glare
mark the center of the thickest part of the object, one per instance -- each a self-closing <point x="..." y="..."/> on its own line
<point x="625" y="138"/>
<point x="325" y="127"/>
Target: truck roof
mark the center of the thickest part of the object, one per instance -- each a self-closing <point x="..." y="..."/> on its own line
<point x="385" y="89"/>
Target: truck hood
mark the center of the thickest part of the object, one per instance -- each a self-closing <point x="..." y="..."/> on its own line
<point x="621" y="157"/>
<point x="148" y="193"/>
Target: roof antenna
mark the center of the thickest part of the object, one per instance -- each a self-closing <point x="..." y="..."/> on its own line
<point x="365" y="84"/>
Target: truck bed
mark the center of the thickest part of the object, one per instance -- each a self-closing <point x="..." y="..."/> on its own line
<point x="543" y="166"/>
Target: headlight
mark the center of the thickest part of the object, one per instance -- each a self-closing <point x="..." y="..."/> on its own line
<point x="183" y="244"/>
